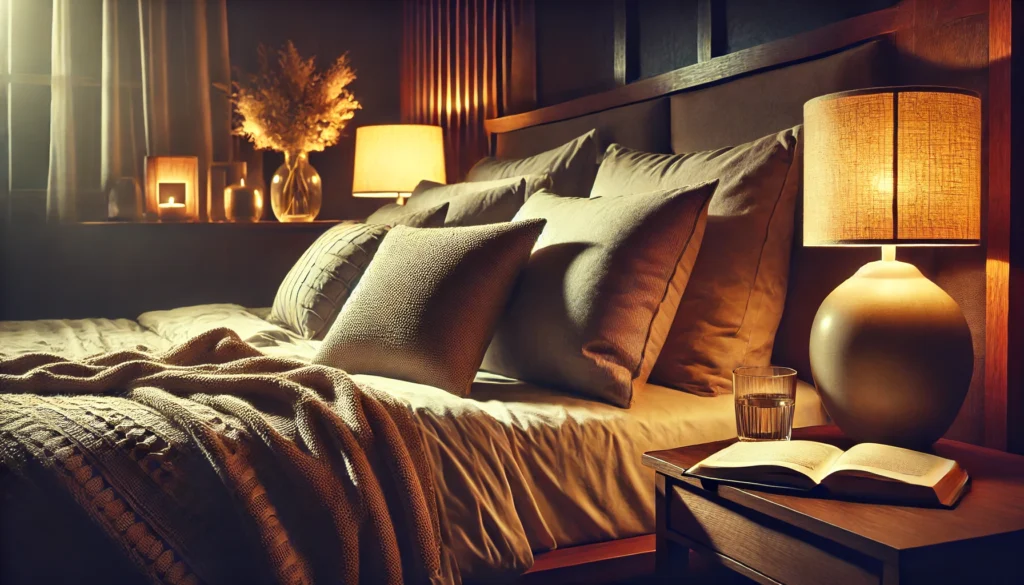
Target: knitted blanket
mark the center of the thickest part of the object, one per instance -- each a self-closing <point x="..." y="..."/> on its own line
<point x="215" y="463"/>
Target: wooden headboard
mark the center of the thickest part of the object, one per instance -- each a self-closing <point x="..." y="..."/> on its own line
<point x="762" y="89"/>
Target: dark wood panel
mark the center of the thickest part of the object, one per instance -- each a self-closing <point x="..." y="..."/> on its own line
<point x="626" y="38"/>
<point x="575" y="48"/>
<point x="603" y="562"/>
<point x="749" y="23"/>
<point x="779" y="552"/>
<point x="794" y="49"/>
<point x="668" y="35"/>
<point x="122" y="270"/>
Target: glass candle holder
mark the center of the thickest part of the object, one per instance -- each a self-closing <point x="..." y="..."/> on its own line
<point x="765" y="402"/>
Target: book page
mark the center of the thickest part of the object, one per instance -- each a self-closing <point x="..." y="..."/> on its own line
<point x="805" y="457"/>
<point x="896" y="463"/>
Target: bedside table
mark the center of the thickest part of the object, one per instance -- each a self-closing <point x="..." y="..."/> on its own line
<point x="777" y="538"/>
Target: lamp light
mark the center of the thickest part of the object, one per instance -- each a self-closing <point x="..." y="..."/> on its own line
<point x="392" y="159"/>
<point x="891" y="352"/>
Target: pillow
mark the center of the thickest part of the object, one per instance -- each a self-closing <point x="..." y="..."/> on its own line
<point x="317" y="286"/>
<point x="427" y="305"/>
<point x="571" y="166"/>
<point x="596" y="300"/>
<point x="733" y="304"/>
<point x="393" y="215"/>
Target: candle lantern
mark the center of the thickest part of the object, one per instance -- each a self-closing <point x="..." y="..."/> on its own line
<point x="172" y="188"/>
<point x="242" y="202"/>
<point x="221" y="175"/>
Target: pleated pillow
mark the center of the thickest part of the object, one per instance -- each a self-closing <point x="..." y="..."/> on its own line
<point x="571" y="166"/>
<point x="733" y="305"/>
<point x="427" y="305"/>
<point x="595" y="302"/>
<point x="317" y="286"/>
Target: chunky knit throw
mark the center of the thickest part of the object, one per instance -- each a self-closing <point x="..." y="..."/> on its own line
<point x="215" y="463"/>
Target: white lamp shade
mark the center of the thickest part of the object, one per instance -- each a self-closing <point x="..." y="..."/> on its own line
<point x="392" y="159"/>
<point x="893" y="165"/>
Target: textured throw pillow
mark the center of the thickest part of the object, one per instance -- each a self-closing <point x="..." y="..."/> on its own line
<point x="393" y="215"/>
<point x="571" y="166"/>
<point x="427" y="305"/>
<point x="317" y="286"/>
<point x="596" y="300"/>
<point x="733" y="304"/>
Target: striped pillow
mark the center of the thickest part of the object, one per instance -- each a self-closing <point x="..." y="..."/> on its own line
<point x="318" y="285"/>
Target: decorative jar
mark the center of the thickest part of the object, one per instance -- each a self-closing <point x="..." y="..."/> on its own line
<point x="295" y="190"/>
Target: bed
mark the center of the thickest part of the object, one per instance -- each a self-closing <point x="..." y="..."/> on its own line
<point x="523" y="471"/>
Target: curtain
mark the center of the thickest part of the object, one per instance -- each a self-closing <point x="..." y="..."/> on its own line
<point x="456" y="68"/>
<point x="158" y="61"/>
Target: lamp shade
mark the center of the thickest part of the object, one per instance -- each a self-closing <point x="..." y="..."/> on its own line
<point x="893" y="165"/>
<point x="392" y="159"/>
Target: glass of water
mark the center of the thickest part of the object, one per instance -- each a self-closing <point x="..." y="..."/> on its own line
<point x="765" y="402"/>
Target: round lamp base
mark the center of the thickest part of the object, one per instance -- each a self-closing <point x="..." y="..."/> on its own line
<point x="891" y="356"/>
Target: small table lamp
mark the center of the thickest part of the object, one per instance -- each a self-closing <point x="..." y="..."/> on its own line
<point x="392" y="159"/>
<point x="891" y="353"/>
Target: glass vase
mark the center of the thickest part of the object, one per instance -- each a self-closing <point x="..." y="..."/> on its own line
<point x="295" y="190"/>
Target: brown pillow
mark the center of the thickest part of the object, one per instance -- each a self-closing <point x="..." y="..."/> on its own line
<point x="571" y="166"/>
<point x="317" y="286"/>
<point x="427" y="305"/>
<point x="393" y="215"/>
<point x="732" y="307"/>
<point x="596" y="300"/>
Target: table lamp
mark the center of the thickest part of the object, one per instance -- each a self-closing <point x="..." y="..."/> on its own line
<point x="890" y="351"/>
<point x="392" y="159"/>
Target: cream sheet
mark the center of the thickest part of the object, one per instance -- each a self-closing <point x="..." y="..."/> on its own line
<point x="521" y="470"/>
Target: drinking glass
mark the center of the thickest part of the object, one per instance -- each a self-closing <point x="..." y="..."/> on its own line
<point x="765" y="402"/>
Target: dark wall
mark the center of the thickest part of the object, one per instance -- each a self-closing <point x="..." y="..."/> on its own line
<point x="370" y="31"/>
<point x="53" y="271"/>
<point x="576" y="41"/>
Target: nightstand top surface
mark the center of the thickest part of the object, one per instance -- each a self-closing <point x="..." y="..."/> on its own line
<point x="993" y="506"/>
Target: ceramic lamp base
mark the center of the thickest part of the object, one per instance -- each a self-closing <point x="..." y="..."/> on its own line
<point x="891" y="356"/>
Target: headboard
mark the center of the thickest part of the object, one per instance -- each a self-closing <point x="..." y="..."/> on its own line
<point x="757" y="104"/>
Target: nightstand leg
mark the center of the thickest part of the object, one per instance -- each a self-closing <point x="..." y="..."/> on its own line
<point x="671" y="559"/>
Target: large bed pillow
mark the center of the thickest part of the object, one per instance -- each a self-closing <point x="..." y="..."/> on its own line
<point x="596" y="300"/>
<point x="474" y="203"/>
<point x="317" y="286"/>
<point x="732" y="307"/>
<point x="426" y="217"/>
<point x="571" y="166"/>
<point x="427" y="305"/>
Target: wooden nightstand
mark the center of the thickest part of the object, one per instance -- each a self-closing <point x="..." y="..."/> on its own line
<point x="783" y="538"/>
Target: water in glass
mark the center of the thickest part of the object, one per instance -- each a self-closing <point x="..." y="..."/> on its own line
<point x="765" y="403"/>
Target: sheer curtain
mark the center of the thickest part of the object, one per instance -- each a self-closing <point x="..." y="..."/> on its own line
<point x="158" y="61"/>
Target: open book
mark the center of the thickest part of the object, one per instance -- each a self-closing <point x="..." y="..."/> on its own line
<point x="866" y="472"/>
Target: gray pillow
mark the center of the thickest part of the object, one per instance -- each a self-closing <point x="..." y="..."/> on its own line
<point x="470" y="203"/>
<point x="427" y="305"/>
<point x="571" y="166"/>
<point x="732" y="308"/>
<point x="393" y="215"/>
<point x="317" y="286"/>
<point x="596" y="300"/>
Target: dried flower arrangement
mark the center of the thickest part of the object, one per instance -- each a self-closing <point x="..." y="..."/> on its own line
<point x="289" y="106"/>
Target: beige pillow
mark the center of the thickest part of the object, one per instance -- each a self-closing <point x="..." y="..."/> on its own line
<point x="427" y="306"/>
<point x="472" y="203"/>
<point x="596" y="300"/>
<point x="570" y="166"/>
<point x="732" y="307"/>
<point x="393" y="215"/>
<point x="317" y="286"/>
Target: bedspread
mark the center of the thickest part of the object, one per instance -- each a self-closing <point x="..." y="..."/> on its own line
<point x="212" y="462"/>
